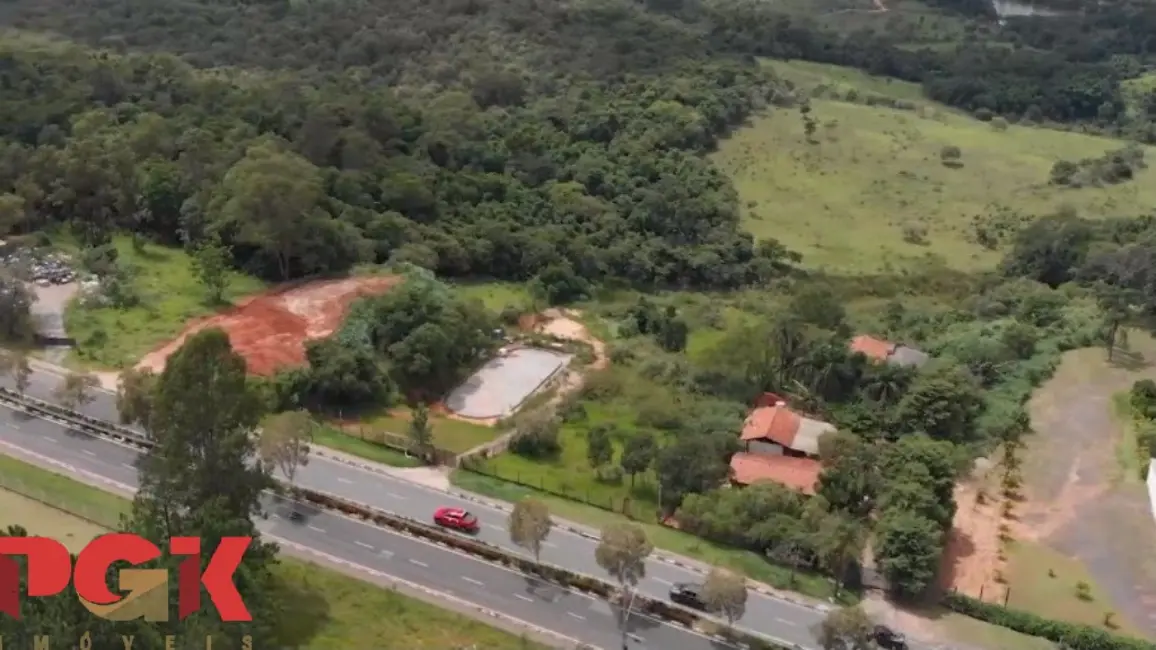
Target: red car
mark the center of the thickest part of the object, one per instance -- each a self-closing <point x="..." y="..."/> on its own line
<point x="457" y="519"/>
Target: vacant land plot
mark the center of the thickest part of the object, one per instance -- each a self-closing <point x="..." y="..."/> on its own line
<point x="170" y="297"/>
<point x="270" y="330"/>
<point x="1098" y="527"/>
<point x="323" y="609"/>
<point x="46" y="521"/>
<point x="869" y="191"/>
<point x="499" y="387"/>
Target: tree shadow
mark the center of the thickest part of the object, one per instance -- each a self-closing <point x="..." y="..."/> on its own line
<point x="302" y="613"/>
<point x="1128" y="360"/>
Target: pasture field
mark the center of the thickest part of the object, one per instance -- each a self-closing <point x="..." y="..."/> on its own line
<point x="869" y="193"/>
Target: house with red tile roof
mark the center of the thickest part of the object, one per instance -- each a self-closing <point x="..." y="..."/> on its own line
<point x="780" y="445"/>
<point x="888" y="352"/>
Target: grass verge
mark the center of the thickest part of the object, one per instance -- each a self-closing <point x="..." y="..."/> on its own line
<point x="324" y="609"/>
<point x="367" y="449"/>
<point x="1046" y="582"/>
<point x="448" y="433"/>
<point x="169" y="297"/>
<point x="745" y="562"/>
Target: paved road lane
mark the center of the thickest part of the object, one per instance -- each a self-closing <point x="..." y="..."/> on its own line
<point x="765" y="614"/>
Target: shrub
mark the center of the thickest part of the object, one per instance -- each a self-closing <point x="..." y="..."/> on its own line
<point x="1072" y="635"/>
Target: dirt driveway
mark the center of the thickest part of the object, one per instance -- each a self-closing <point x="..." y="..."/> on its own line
<point x="1078" y="500"/>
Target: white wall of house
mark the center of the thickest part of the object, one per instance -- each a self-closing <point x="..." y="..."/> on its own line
<point x="1152" y="487"/>
<point x="765" y="447"/>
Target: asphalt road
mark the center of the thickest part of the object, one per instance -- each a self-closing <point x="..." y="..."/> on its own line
<point x="369" y="547"/>
<point x="767" y="615"/>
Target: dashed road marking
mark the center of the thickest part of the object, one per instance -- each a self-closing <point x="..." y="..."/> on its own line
<point x="363" y="544"/>
<point x="472" y="581"/>
<point x="344" y="480"/>
<point x="785" y="621"/>
<point x="581" y="618"/>
<point x="665" y="582"/>
<point x="315" y="528"/>
<point x="419" y="563"/>
<point x="386" y="554"/>
<point x="89" y="452"/>
<point x="394" y="496"/>
<point x="525" y="598"/>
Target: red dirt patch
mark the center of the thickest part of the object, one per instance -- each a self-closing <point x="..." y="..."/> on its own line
<point x="971" y="560"/>
<point x="269" y="330"/>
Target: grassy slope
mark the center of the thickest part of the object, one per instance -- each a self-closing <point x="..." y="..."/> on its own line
<point x="844" y="201"/>
<point x="169" y="297"/>
<point x="329" y="610"/>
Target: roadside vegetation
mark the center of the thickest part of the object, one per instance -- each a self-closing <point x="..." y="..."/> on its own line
<point x="728" y="191"/>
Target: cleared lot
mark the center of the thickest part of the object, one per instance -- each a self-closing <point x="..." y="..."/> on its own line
<point x="498" y="388"/>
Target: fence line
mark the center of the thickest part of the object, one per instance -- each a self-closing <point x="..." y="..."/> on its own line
<point x="624" y="506"/>
<point x="395" y="442"/>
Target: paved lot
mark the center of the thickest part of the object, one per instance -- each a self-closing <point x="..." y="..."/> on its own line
<point x="48" y="310"/>
<point x="500" y="386"/>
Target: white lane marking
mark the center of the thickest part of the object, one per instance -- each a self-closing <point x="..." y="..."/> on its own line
<point x="89" y="452"/>
<point x="495" y="527"/>
<point x="665" y="582"/>
<point x="785" y="621"/>
<point x="68" y="469"/>
<point x="581" y="618"/>
<point x="315" y="528"/>
<point x="363" y="544"/>
<point x="394" y="496"/>
<point x="128" y="465"/>
<point x="472" y="581"/>
<point x="386" y="554"/>
<point x="419" y="563"/>
<point x="344" y="480"/>
<point x="525" y="598"/>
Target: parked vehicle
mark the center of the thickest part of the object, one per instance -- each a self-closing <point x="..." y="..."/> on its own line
<point x="889" y="639"/>
<point x="688" y="595"/>
<point x="457" y="519"/>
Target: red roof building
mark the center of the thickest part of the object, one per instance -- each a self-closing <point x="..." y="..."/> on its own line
<point x="781" y="445"/>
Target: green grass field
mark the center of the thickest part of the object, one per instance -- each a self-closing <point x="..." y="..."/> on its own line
<point x="1044" y="581"/>
<point x="874" y="173"/>
<point x="169" y="298"/>
<point x="324" y="609"/>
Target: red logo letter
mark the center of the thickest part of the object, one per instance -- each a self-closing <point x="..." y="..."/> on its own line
<point x="217" y="577"/>
<point x="90" y="576"/>
<point x="49" y="568"/>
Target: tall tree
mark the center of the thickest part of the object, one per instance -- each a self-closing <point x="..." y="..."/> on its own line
<point x="530" y="525"/>
<point x="638" y="454"/>
<point x="204" y="477"/>
<point x="210" y="265"/>
<point x="75" y="390"/>
<point x="16" y="322"/>
<point x="134" y="396"/>
<point x="420" y="432"/>
<point x="599" y="450"/>
<point x="21" y="372"/>
<point x="622" y="553"/>
<point x="285" y="440"/>
<point x="268" y="199"/>
<point x="845" y="629"/>
<point x="725" y="593"/>
<point x="840" y="541"/>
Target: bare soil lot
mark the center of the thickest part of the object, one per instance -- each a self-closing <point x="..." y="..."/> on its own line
<point x="46" y="521"/>
<point x="269" y="330"/>
<point x="1075" y="502"/>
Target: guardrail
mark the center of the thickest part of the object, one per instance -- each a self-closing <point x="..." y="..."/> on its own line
<point x="659" y="609"/>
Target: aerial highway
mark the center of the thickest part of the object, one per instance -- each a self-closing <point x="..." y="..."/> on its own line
<point x="767" y="615"/>
<point x="364" y="548"/>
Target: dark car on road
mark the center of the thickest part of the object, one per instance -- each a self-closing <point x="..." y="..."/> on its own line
<point x="688" y="595"/>
<point x="889" y="639"/>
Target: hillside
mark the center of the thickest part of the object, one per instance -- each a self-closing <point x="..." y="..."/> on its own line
<point x="870" y="193"/>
